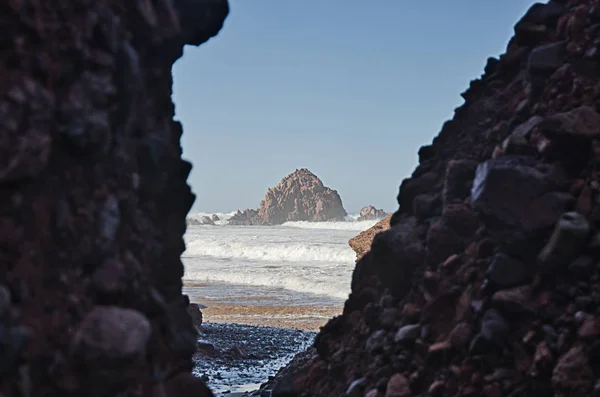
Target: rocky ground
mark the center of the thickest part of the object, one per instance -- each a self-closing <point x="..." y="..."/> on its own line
<point x="237" y="359"/>
<point x="488" y="282"/>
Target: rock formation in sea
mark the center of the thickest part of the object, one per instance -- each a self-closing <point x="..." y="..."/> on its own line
<point x="204" y="220"/>
<point x="300" y="196"/>
<point x="361" y="244"/>
<point x="487" y="282"/>
<point x="370" y="213"/>
<point x="94" y="198"/>
<point x="195" y="313"/>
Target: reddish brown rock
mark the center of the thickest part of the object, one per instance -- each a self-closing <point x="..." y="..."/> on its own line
<point x="398" y="386"/>
<point x="572" y="375"/>
<point x="300" y="196"/>
<point x="361" y="244"/>
<point x="369" y="213"/>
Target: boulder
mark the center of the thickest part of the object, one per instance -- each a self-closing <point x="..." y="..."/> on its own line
<point x="245" y="218"/>
<point x="565" y="244"/>
<point x="505" y="189"/>
<point x="300" y="196"/>
<point x="546" y="58"/>
<point x="196" y="315"/>
<point x="111" y="335"/>
<point x="361" y="244"/>
<point x="204" y="220"/>
<point x="582" y="122"/>
<point x="369" y="213"/>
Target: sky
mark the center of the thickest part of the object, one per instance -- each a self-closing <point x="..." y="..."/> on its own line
<point x="348" y="89"/>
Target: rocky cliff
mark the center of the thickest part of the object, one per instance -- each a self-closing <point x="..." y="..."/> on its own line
<point x="487" y="283"/>
<point x="90" y="274"/>
<point x="300" y="196"/>
<point x="361" y="244"/>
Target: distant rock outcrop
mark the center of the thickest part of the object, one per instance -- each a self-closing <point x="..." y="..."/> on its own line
<point x="215" y="218"/>
<point x="361" y="244"/>
<point x="247" y="217"/>
<point x="370" y="213"/>
<point x="204" y="220"/>
<point x="300" y="196"/>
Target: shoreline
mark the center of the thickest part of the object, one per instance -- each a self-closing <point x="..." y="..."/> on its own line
<point x="237" y="359"/>
<point x="267" y="311"/>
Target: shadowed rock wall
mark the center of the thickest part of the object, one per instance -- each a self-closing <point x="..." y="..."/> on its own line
<point x="94" y="196"/>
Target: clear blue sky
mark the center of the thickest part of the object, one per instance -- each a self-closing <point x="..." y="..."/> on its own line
<point x="349" y="89"/>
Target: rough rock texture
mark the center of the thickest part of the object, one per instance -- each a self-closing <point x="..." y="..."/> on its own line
<point x="369" y="213"/>
<point x="300" y="196"/>
<point x="493" y="254"/>
<point x="361" y="244"/>
<point x="94" y="197"/>
<point x="195" y="314"/>
<point x="204" y="220"/>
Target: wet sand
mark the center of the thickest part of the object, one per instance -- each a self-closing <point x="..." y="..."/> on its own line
<point x="273" y="309"/>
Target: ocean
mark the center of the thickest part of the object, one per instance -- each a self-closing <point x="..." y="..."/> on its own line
<point x="296" y="275"/>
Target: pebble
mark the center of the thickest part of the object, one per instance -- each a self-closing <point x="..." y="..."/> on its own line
<point x="494" y="327"/>
<point x="408" y="333"/>
<point x="112" y="334"/>
<point x="398" y="386"/>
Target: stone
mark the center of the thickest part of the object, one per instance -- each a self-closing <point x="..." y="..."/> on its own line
<point x="245" y="218"/>
<point x="572" y="374"/>
<point x="398" y="386"/>
<point x="373" y="393"/>
<point x="5" y="300"/>
<point x="425" y="205"/>
<point x="376" y="341"/>
<point x="582" y="267"/>
<point x="207" y="349"/>
<point x="195" y="313"/>
<point x="388" y="318"/>
<point x="524" y="130"/>
<point x="182" y="385"/>
<point x="546" y="58"/>
<point x="506" y="189"/>
<point x="546" y="210"/>
<point x="215" y="218"/>
<point x="439" y="351"/>
<point x="494" y="327"/>
<point x="369" y="213"/>
<point x="461" y="219"/>
<point x="581" y="122"/>
<point x="506" y="272"/>
<point x="458" y="180"/>
<point x="565" y="244"/>
<point x="412" y="187"/>
<point x="110" y="335"/>
<point x="513" y="301"/>
<point x="460" y="336"/>
<point x="301" y="196"/>
<point x="408" y="333"/>
<point x="110" y="218"/>
<point x="361" y="244"/>
<point x="442" y="242"/>
<point x="590" y="328"/>
<point x="356" y="388"/>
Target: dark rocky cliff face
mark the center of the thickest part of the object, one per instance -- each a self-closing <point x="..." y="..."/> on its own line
<point x="487" y="283"/>
<point x="90" y="273"/>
